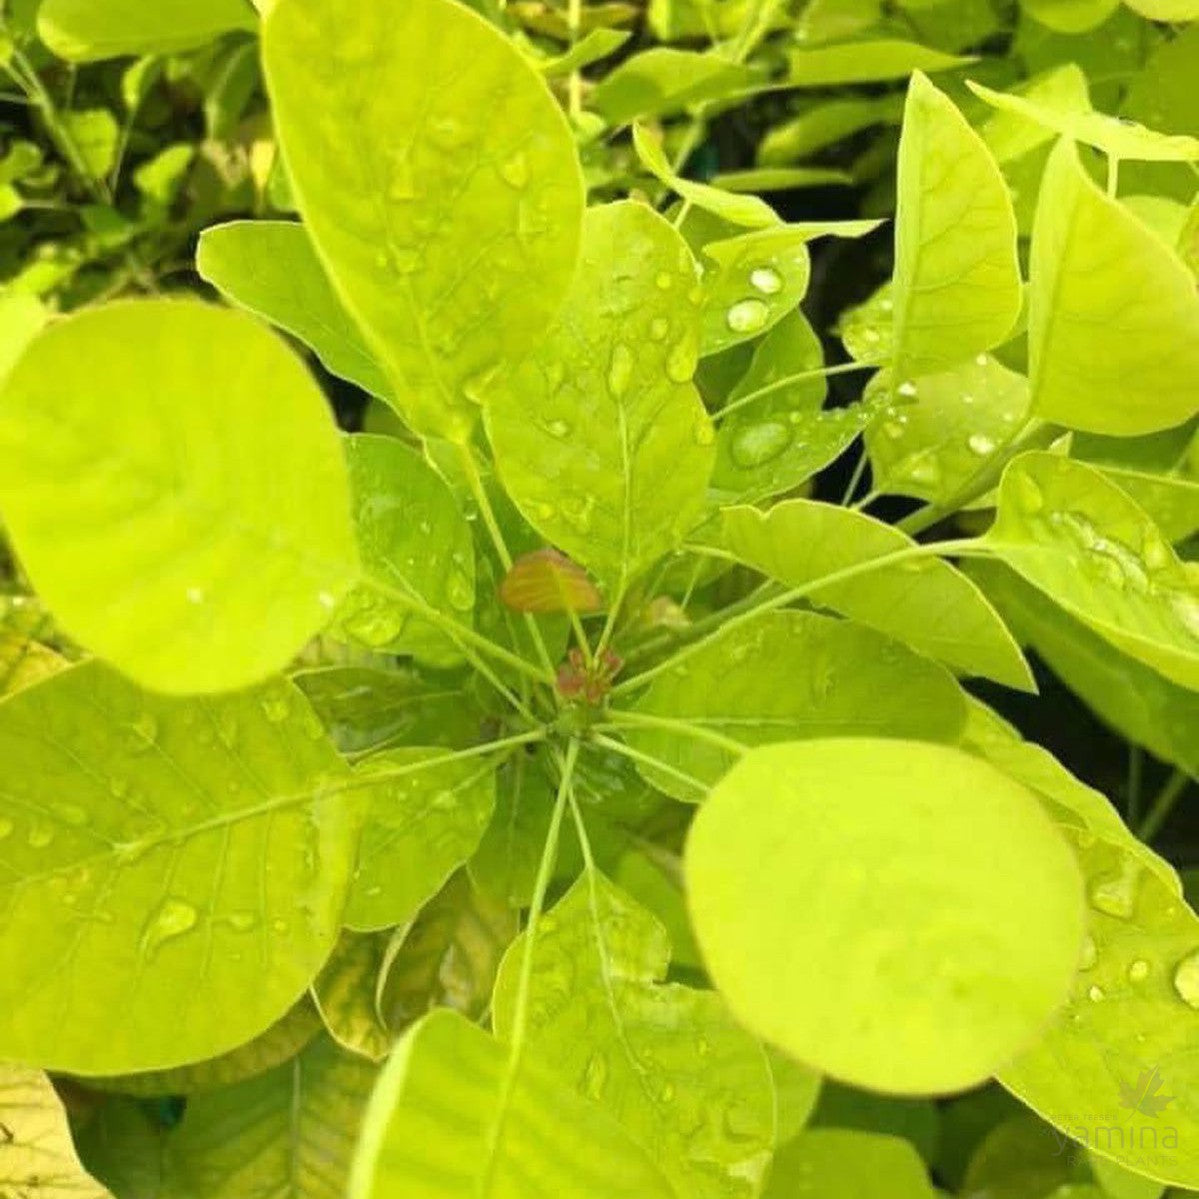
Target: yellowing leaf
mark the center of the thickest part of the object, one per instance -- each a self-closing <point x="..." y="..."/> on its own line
<point x="957" y="288"/>
<point x="431" y="216"/>
<point x="206" y="535"/>
<point x="1094" y="266"/>
<point x="900" y="916"/>
<point x="547" y="581"/>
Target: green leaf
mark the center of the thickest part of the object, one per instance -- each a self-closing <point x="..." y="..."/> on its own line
<point x="784" y="676"/>
<point x="663" y="80"/>
<point x="868" y="329"/>
<point x="1070" y="16"/>
<point x="664" y="1060"/>
<point x="1166" y="10"/>
<point x="739" y="210"/>
<point x="1115" y="136"/>
<point x="759" y="278"/>
<point x="1078" y="538"/>
<point x="1120" y="1183"/>
<point x="824" y="125"/>
<point x="835" y="1163"/>
<point x="87" y="30"/>
<point x="592" y="47"/>
<point x="174" y="870"/>
<point x="289" y="1134"/>
<point x="24" y="662"/>
<point x="420" y="828"/>
<point x="364" y="708"/>
<point x="864" y="62"/>
<point x="288" y="1036"/>
<point x="939" y="431"/>
<point x="447" y="957"/>
<point x="600" y="436"/>
<point x="1133" y="699"/>
<point x="917" y="1121"/>
<point x="797" y="1090"/>
<point x="1014" y="130"/>
<point x="122" y="1146"/>
<point x="39" y="1159"/>
<point x="96" y="134"/>
<point x="21" y="319"/>
<point x="433" y="218"/>
<point x="1116" y="1069"/>
<point x="346" y="994"/>
<point x="416" y="551"/>
<point x="930" y="896"/>
<point x="957" y="278"/>
<point x="780" y="440"/>
<point x="1094" y="265"/>
<point x="923" y="602"/>
<point x="451" y="1118"/>
<point x="205" y="536"/>
<point x="271" y="269"/>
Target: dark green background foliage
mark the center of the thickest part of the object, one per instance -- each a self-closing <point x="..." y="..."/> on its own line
<point x="599" y="598"/>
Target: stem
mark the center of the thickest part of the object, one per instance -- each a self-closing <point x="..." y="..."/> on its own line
<point x="501" y="548"/>
<point x="1113" y="176"/>
<point x="458" y="755"/>
<point x="824" y="372"/>
<point x="966" y="546"/>
<point x="644" y="759"/>
<point x="669" y="724"/>
<point x="856" y="477"/>
<point x="1035" y="435"/>
<point x="520" y="1012"/>
<point x="1163" y="805"/>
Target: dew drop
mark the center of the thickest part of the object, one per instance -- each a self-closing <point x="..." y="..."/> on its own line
<point x="515" y="172"/>
<point x="279" y="926"/>
<point x="173" y="918"/>
<point x="1116" y="894"/>
<point x="1186" y="979"/>
<point x="620" y="370"/>
<point x="747" y="316"/>
<point x="195" y="595"/>
<point x="1138" y="971"/>
<point x="658" y="328"/>
<point x="327" y="600"/>
<point x="558" y="428"/>
<point x="242" y="922"/>
<point x="704" y="433"/>
<point x="546" y="511"/>
<point x="980" y="444"/>
<point x="755" y="445"/>
<point x="682" y="359"/>
<point x="907" y="388"/>
<point x="663" y="281"/>
<point x="1095" y="994"/>
<point x="767" y="280"/>
<point x="1088" y="954"/>
<point x="40" y="835"/>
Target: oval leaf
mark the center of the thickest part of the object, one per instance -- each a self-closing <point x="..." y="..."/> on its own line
<point x="87" y="30"/>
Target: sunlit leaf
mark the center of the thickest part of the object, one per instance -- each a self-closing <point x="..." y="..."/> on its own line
<point x="174" y="870"/>
<point x="86" y="30"/>
<point x="433" y="217"/>
<point x="957" y="289"/>
<point x="663" y="80"/>
<point x="206" y="534"/>
<point x="837" y="1163"/>
<point x="1070" y="16"/>
<point x="785" y="676"/>
<point x="662" y="1059"/>
<point x="946" y="913"/>
<point x="924" y="602"/>
<point x="271" y="268"/>
<point x="420" y="827"/>
<point x="21" y="319"/>
<point x="1078" y="538"/>
<point x="37" y="1157"/>
<point x="1094" y="265"/>
<point x="449" y="1118"/>
<point x="599" y="435"/>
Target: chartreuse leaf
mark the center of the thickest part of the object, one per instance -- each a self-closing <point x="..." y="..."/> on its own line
<point x="432" y="218"/>
<point x="1011" y="131"/>
<point x="416" y="551"/>
<point x="781" y="677"/>
<point x="923" y="601"/>
<point x="1116" y="1069"/>
<point x="87" y="30"/>
<point x="271" y="268"/>
<point x="689" y="1085"/>
<point x="1070" y="16"/>
<point x="174" y="870"/>
<point x="206" y="533"/>
<point x="287" y="1037"/>
<point x="774" y="443"/>
<point x="1140" y="704"/>
<point x="738" y="209"/>
<point x="1166" y="10"/>
<point x="451" y="1117"/>
<point x="945" y="911"/>
<point x="957" y="287"/>
<point x="38" y="1158"/>
<point x="864" y="62"/>
<point x="840" y="1163"/>
<point x="797" y="1090"/>
<point x="1095" y="265"/>
<point x="289" y="1133"/>
<point x="758" y="279"/>
<point x="420" y="827"/>
<point x="662" y="80"/>
<point x="939" y="431"/>
<point x="1121" y="1183"/>
<point x="24" y="662"/>
<point x="599" y="435"/>
<point x="1083" y="542"/>
<point x="1116" y="137"/>
<point x="21" y="319"/>
<point x="346" y="994"/>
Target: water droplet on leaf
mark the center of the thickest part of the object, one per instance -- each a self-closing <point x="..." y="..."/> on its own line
<point x="620" y="370"/>
<point x="1186" y="979"/>
<point x="1138" y="971"/>
<point x="767" y="280"/>
<point x="980" y="444"/>
<point x="755" y="445"/>
<point x="747" y="316"/>
<point x="173" y="918"/>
